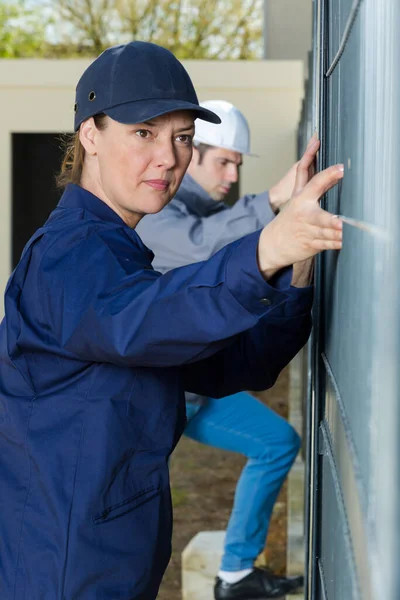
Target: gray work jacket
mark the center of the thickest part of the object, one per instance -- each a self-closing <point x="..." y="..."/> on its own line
<point x="193" y="227"/>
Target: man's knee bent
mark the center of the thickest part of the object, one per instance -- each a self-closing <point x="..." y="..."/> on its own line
<point x="293" y="440"/>
<point x="287" y="444"/>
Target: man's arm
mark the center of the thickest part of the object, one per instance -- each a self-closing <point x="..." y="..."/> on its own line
<point x="303" y="273"/>
<point x="282" y="191"/>
<point x="178" y="238"/>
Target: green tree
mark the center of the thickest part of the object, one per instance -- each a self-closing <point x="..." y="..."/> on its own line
<point x="212" y="29"/>
<point x="22" y="31"/>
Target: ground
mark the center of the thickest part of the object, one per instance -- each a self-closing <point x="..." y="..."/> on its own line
<point x="203" y="496"/>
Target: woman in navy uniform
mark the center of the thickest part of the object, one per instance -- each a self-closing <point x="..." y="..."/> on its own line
<point x="97" y="348"/>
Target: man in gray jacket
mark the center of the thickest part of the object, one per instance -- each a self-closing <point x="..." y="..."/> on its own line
<point x="197" y="223"/>
<point x="191" y="228"/>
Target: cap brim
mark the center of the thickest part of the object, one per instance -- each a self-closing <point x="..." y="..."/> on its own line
<point x="144" y="110"/>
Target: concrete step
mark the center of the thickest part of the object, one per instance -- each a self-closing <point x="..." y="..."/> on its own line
<point x="200" y="563"/>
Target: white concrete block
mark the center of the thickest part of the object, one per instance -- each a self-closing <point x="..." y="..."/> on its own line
<point x="200" y="564"/>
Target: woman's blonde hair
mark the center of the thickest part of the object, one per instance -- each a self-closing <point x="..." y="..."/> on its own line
<point x="74" y="156"/>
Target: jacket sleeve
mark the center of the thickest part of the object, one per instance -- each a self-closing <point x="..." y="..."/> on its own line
<point x="109" y="308"/>
<point x="256" y="357"/>
<point x="178" y="238"/>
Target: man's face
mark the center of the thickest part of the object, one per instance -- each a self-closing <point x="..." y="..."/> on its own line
<point x="216" y="172"/>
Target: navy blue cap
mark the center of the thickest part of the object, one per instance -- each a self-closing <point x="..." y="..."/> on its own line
<point x="136" y="82"/>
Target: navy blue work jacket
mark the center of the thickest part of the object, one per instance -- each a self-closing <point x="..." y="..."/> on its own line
<point x="96" y="350"/>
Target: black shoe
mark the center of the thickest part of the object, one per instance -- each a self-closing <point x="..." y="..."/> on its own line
<point x="260" y="584"/>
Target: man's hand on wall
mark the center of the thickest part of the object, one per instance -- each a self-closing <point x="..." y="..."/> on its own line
<point x="280" y="194"/>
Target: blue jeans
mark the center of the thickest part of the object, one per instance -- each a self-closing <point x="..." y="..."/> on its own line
<point x="241" y="423"/>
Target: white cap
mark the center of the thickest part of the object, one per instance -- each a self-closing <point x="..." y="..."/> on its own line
<point x="232" y="134"/>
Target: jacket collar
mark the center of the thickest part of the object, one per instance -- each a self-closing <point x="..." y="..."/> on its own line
<point x="75" y="196"/>
<point x="197" y="200"/>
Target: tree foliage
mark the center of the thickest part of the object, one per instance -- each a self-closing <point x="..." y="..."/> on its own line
<point x="212" y="29"/>
<point x="22" y="32"/>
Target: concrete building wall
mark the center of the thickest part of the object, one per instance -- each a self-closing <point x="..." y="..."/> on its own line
<point x="37" y="96"/>
<point x="288" y="29"/>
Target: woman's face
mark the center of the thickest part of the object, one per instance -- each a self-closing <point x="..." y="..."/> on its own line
<point x="136" y="169"/>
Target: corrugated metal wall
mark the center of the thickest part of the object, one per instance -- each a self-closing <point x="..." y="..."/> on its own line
<point x="353" y="417"/>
